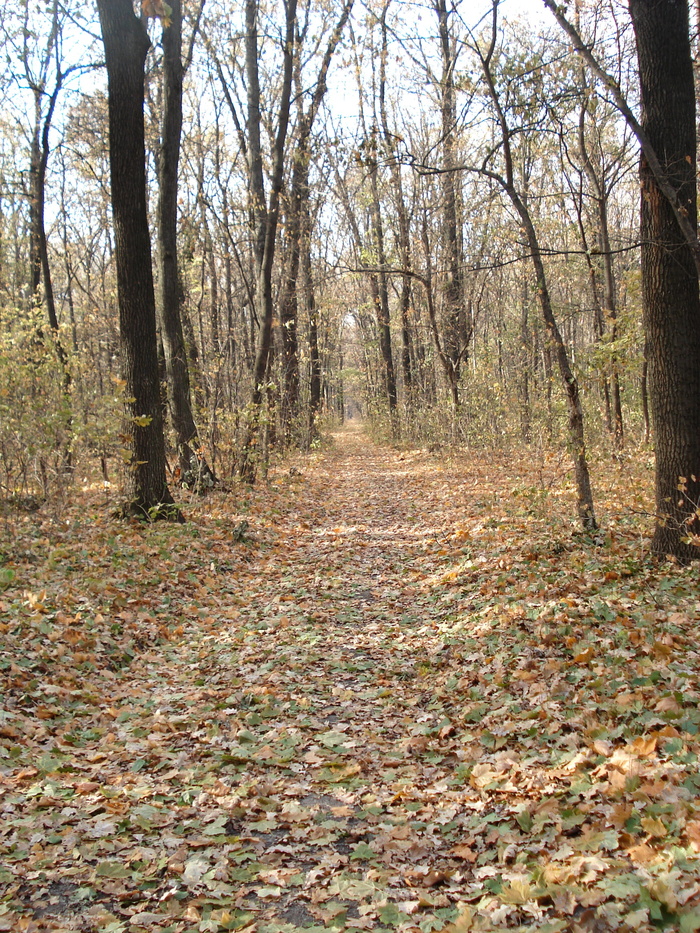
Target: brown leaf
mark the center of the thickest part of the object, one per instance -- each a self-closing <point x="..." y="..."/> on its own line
<point x="465" y="852"/>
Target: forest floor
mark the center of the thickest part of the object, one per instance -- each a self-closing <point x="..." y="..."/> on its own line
<point x="408" y="695"/>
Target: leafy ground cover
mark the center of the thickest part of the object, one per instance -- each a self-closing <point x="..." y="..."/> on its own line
<point x="387" y="691"/>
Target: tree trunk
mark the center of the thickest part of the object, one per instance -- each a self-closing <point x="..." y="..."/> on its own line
<point x="577" y="443"/>
<point x="669" y="273"/>
<point x="193" y="469"/>
<point x="314" y="354"/>
<point x="381" y="295"/>
<point x="608" y="310"/>
<point x="455" y="323"/>
<point x="404" y="235"/>
<point x="297" y="222"/>
<point x="126" y="44"/>
<point x="524" y="360"/>
<point x="265" y="214"/>
<point x="289" y="298"/>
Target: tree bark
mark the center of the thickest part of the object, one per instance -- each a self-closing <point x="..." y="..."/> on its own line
<point x="193" y="468"/>
<point x="297" y="224"/>
<point x="670" y="290"/>
<point x="455" y="323"/>
<point x="404" y="235"/>
<point x="265" y="215"/>
<point x="126" y="44"/>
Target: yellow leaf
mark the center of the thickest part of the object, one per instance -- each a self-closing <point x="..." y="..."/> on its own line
<point x="519" y="891"/>
<point x="463" y="923"/>
<point x="644" y="746"/>
<point x="654" y="826"/>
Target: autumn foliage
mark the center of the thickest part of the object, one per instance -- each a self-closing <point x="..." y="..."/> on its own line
<point x="387" y="691"/>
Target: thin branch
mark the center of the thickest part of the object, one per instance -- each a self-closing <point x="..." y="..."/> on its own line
<point x="666" y="187"/>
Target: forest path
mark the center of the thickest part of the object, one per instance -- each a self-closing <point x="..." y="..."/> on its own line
<point x="410" y="699"/>
<point x="319" y="702"/>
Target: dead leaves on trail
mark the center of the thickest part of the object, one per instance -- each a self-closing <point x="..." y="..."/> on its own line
<point x="410" y="699"/>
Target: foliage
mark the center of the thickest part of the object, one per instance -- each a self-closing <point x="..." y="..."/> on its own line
<point x="35" y="412"/>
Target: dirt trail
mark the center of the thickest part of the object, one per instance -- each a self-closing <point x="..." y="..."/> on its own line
<point x="327" y="675"/>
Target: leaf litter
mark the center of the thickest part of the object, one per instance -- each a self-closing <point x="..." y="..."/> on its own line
<point x="410" y="697"/>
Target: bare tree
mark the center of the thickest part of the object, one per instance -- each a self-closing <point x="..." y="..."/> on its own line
<point x="265" y="212"/>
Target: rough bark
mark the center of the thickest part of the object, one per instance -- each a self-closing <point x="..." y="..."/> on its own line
<point x="194" y="470"/>
<point x="265" y="214"/>
<point x="126" y="44"/>
<point x="453" y="291"/>
<point x="669" y="272"/>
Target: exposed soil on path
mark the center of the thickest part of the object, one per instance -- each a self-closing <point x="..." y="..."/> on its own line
<point x="404" y="696"/>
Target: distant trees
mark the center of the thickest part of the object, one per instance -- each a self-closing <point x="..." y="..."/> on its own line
<point x="670" y="257"/>
<point x="466" y="269"/>
<point x="264" y="210"/>
<point x="298" y="228"/>
<point x="505" y="178"/>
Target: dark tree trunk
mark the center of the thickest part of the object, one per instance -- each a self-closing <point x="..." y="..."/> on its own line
<point x="455" y="324"/>
<point x="126" y="44"/>
<point x="381" y="294"/>
<point x="266" y="215"/>
<point x="644" y="392"/>
<point x="669" y="272"/>
<point x="193" y="469"/>
<point x="298" y="225"/>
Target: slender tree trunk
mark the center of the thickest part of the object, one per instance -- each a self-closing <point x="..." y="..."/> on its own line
<point x="577" y="445"/>
<point x="126" y="44"/>
<point x="446" y="361"/>
<point x="404" y="235"/>
<point x="265" y="214"/>
<point x="453" y="293"/>
<point x="381" y="297"/>
<point x="524" y="359"/>
<point x="314" y="352"/>
<point x="289" y="298"/>
<point x="297" y="215"/>
<point x="193" y="469"/>
<point x="608" y="308"/>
